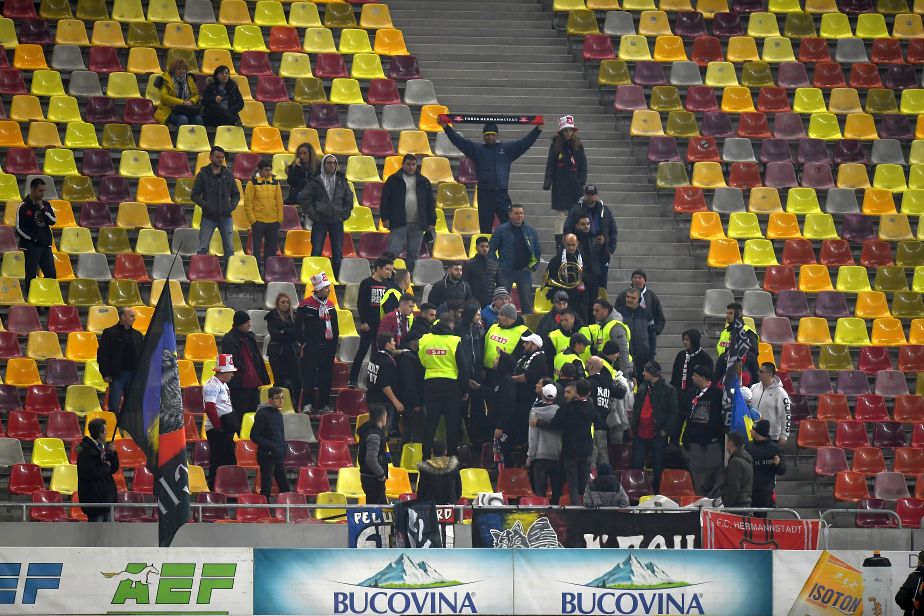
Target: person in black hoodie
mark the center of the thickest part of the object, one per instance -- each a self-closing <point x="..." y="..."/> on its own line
<point x="411" y="375"/>
<point x="300" y="172"/>
<point x="682" y="373"/>
<point x="222" y="101"/>
<point x="371" y="293"/>
<point x="481" y="273"/>
<point x="704" y="432"/>
<point x="97" y="462"/>
<point x="251" y="373"/>
<point x="574" y="419"/>
<point x="471" y="330"/>
<point x="768" y="463"/>
<point x="268" y="432"/>
<point x="372" y="455"/>
<point x="439" y="477"/>
<point x="283" y="348"/>
<point x="33" y="227"/>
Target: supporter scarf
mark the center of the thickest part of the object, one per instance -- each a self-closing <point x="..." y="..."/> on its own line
<point x="496" y="119"/>
<point x="578" y="258"/>
<point x="325" y="309"/>
<point x="686" y="367"/>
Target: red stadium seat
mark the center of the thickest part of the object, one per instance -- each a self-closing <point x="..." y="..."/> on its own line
<point x="130" y="266"/>
<point x="334" y="455"/>
<point x="689" y="199"/>
<point x="294" y="515"/>
<point x="330" y="66"/>
<point x="598" y="47"/>
<point x="909" y="409"/>
<point x="104" y="60"/>
<point x="336" y="427"/>
<point x="835" y="253"/>
<point x="246" y="453"/>
<point x="352" y="402"/>
<point x="192" y="400"/>
<point x="780" y="278"/>
<point x="64" y="319"/>
<point x="917" y="435"/>
<point x="796" y="357"/>
<point x="281" y="269"/>
<point x="255" y="64"/>
<point x="798" y="252"/>
<point x="65" y="426"/>
<point x="312" y="480"/>
<point x="139" y="111"/>
<point x="172" y="164"/>
<point x="676" y="484"/>
<point x="833" y="407"/>
<point x="888" y="434"/>
<point x="909" y="461"/>
<point x="868" y="460"/>
<point x="21" y="161"/>
<point x="61" y="373"/>
<point x="11" y="82"/>
<point x="130" y="454"/>
<point x="212" y="514"/>
<point x="42" y="399"/>
<point x="48" y="514"/>
<point x="850" y="486"/>
<point x="874" y="520"/>
<point x="19" y="9"/>
<point x="25" y="479"/>
<point x="324" y="115"/>
<point x="377" y="143"/>
<point x="875" y="253"/>
<point x="911" y="358"/>
<point x="9" y="398"/>
<point x="200" y="454"/>
<point x="271" y="89"/>
<point x="813" y="433"/>
<point x="911" y="511"/>
<point x="829" y="461"/>
<point x="514" y="483"/>
<point x="133" y="514"/>
<point x="383" y="92"/>
<point x="703" y="149"/>
<point x="23" y="319"/>
<point x="851" y="434"/>
<point x="284" y="38"/>
<point x="636" y="484"/>
<point x="9" y="345"/>
<point x="95" y="214"/>
<point x="205" y="267"/>
<point x="101" y="110"/>
<point x="403" y="68"/>
<point x="245" y="164"/>
<point x="372" y="244"/>
<point x="191" y="428"/>
<point x="298" y="455"/>
<point x="256" y="514"/>
<point x="23" y="425"/>
<point x="873" y="359"/>
<point x="466" y="174"/>
<point x="871" y="408"/>
<point x="143" y="480"/>
<point x="232" y="481"/>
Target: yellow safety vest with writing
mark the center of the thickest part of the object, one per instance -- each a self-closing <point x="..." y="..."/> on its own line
<point x="501" y="339"/>
<point x="437" y="354"/>
<point x="392" y="292"/>
<point x="566" y="358"/>
<point x="560" y="341"/>
<point x="725" y="339"/>
<point x="601" y="334"/>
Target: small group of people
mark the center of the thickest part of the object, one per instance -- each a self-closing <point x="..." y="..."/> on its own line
<point x="220" y="104"/>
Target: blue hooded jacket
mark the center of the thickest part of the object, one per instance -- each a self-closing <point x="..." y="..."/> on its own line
<point x="492" y="162"/>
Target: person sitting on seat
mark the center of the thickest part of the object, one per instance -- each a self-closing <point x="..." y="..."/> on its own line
<point x="222" y="100"/>
<point x="439" y="477"/>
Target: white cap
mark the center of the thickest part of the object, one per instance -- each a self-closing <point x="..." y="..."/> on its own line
<point x="534" y="338"/>
<point x="549" y="392"/>
<point x="319" y="281"/>
<point x="566" y="122"/>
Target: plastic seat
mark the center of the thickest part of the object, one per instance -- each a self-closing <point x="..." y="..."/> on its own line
<point x="888" y="485"/>
<point x="814" y="331"/>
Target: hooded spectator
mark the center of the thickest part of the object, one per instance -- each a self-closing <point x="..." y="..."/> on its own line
<point x="693" y="355"/>
<point x="326" y="203"/>
<point x="605" y="490"/>
<point x="439" y="477"/>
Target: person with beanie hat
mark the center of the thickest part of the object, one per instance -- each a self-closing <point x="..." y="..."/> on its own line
<point x="552" y="319"/>
<point x="565" y="172"/>
<point x="482" y="273"/>
<point x="492" y="167"/>
<point x="602" y="227"/>
<point x="768" y="464"/>
<point x="499" y="299"/>
<point x="543" y="457"/>
<point x="605" y="490"/>
<point x="647" y="300"/>
<point x="251" y="373"/>
<point x="503" y="345"/>
<point x="654" y="416"/>
<point x="703" y="431"/>
<point x="682" y="373"/>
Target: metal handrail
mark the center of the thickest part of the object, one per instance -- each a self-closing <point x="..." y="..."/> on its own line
<point x="794" y="513"/>
<point x="887" y="512"/>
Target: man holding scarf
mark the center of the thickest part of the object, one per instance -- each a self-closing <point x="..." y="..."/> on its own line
<point x="316" y="327"/>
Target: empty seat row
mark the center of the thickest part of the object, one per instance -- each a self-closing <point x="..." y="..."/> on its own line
<point x="850" y="331"/>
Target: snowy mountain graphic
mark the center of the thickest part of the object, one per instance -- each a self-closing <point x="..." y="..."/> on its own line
<point x="405" y="573"/>
<point x="632" y="573"/>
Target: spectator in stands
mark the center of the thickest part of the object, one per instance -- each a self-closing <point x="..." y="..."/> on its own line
<point x="492" y="167"/>
<point x="608" y="327"/>
<point x="559" y="338"/>
<point x="318" y="332"/>
<point x="268" y="433"/>
<point x="439" y="477"/>
<point x="241" y="343"/>
<point x="566" y="272"/>
<point x="371" y="293"/>
<point x="733" y="313"/>
<point x="543" y="456"/>
<point x="398" y="322"/>
<point x="179" y="98"/>
<point x="910" y="591"/>
<point x="552" y="319"/>
<point x="739" y="475"/>
<point x="682" y="374"/>
<point x="605" y="490"/>
<point x="215" y="191"/>
<point x="382" y="371"/>
<point x="768" y="463"/>
<point x="704" y="431"/>
<point x="574" y="419"/>
<point x="565" y="172"/>
<point x="97" y="462"/>
<point x="222" y="100"/>
<point x="605" y="390"/>
<point x="411" y="376"/>
<point x="489" y="313"/>
<point x="118" y="355"/>
<point x="299" y="173"/>
<point x="470" y="329"/>
<point x="451" y="287"/>
<point x="221" y="422"/>
<point x="481" y="273"/>
<point x="772" y="401"/>
<point x="517" y="249"/>
<point x="283" y="348"/>
<point x="653" y="419"/>
<point x="33" y="227"/>
<point x="372" y="456"/>
<point x="594" y="260"/>
<point x="602" y="226"/>
<point x="326" y="202"/>
<point x="573" y="354"/>
<point x="647" y="300"/>
<point x="401" y="284"/>
<point x="407" y="209"/>
<point x="641" y="331"/>
<point x="524" y="372"/>
<point x="263" y="206"/>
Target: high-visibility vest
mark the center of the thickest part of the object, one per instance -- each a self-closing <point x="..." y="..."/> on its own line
<point x="437" y="353"/>
<point x="561" y="341"/>
<point x="501" y="339"/>
<point x="566" y="358"/>
<point x="392" y="292"/>
<point x="601" y="334"/>
<point x="609" y="368"/>
<point x="725" y="339"/>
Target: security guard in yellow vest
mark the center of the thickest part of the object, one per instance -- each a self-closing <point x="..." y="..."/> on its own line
<point x="560" y="338"/>
<point x="572" y="355"/>
<point x="446" y="376"/>
<point x="401" y="280"/>
<point x="503" y="336"/>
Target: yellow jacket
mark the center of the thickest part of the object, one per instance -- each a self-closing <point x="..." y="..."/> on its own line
<point x="168" y="99"/>
<point x="263" y="200"/>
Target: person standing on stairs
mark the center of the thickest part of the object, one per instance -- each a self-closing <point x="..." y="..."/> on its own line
<point x="371" y="293"/>
<point x="408" y="209"/>
<point x="565" y="172"/>
<point x="515" y="246"/>
<point x="602" y="229"/>
<point x="317" y="330"/>
<point x="492" y="160"/>
<point x="648" y="300"/>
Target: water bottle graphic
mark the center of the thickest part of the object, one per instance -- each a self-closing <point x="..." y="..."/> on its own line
<point x="877" y="585"/>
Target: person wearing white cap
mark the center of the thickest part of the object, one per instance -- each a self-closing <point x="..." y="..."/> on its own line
<point x="543" y="457"/>
<point x="220" y="421"/>
<point x="565" y="172"/>
<point x="317" y="329"/>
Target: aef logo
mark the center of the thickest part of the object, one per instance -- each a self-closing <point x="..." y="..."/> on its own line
<point x="38" y="576"/>
<point x="173" y="584"/>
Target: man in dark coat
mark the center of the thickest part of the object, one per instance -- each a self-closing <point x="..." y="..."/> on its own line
<point x="96" y="464"/>
<point x="647" y="300"/>
<point x="769" y="463"/>
<point x="906" y="595"/>
<point x="439" y="477"/>
<point x="411" y="375"/>
<point x="602" y="225"/>
<point x="693" y="355"/>
<point x="318" y="331"/>
<point x="653" y="419"/>
<point x="215" y="191"/>
<point x="407" y="209"/>
<point x="739" y="474"/>
<point x="481" y="273"/>
<point x="451" y="287"/>
<point x="643" y="343"/>
<point x="118" y="355"/>
<point x="251" y="373"/>
<point x="268" y="432"/>
<point x="704" y="431"/>
<point x="565" y="172"/>
<point x="372" y="456"/>
<point x="34" y="219"/>
<point x="492" y="166"/>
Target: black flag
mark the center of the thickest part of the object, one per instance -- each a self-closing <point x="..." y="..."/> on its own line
<point x="153" y="415"/>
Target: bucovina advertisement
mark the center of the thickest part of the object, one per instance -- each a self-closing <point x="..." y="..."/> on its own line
<point x="610" y="581"/>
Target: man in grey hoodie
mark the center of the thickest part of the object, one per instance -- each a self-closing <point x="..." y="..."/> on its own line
<point x="327" y="201"/>
<point x="544" y="454"/>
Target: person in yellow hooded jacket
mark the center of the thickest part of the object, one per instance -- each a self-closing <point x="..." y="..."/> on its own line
<point x="179" y="97"/>
<point x="263" y="206"/>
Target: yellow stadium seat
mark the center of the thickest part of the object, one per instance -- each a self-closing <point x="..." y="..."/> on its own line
<point x="248" y="38"/>
<point x="763" y="25"/>
<point x="354" y="41"/>
<point x="349" y="484"/>
<point x="14" y="265"/>
<point x="233" y="13"/>
<point x="390" y="42"/>
<point x="82" y="399"/>
<point x="26" y="108"/>
<point x="316" y="265"/>
<point x="329" y="515"/>
<point x="152" y="242"/>
<point x="634" y="48"/>
<point x="91" y="374"/>
<point x="8" y="33"/>
<point x="64" y="479"/>
<point x="721" y="75"/>
<point x="448" y="247"/>
<point x="581" y="22"/>
<point x="133" y="215"/>
<point x="28" y="57"/>
<point x="722" y="253"/>
<point x="743" y="225"/>
<point x="46" y="83"/>
<point x="281" y="163"/>
<point x="852" y="279"/>
<point x="266" y="140"/>
<point x="759" y="253"/>
<point x="895" y="227"/>
<point x="127" y="11"/>
<point x="860" y="126"/>
<point x="814" y="278"/>
<point x="362" y="169"/>
<point x="708" y="175"/>
<point x="413" y="142"/>
<point x="888" y="332"/>
<point x="783" y="226"/>
<point x="319" y="40"/>
<point x="376" y="16"/>
<point x="706" y="226"/>
<point x="436" y="169"/>
<point x="81" y="346"/>
<point x="179" y="36"/>
<point x="218" y="321"/>
<point x="917" y="283"/>
<point x="135" y="164"/>
<point x="200" y="347"/>
<point x="48" y="452"/>
<point x="122" y="85"/>
<point x="367" y="66"/>
<point x="243" y="269"/>
<point x="143" y="60"/>
<point x="42" y="345"/>
<point x="844" y="101"/>
<point x="297" y="244"/>
<point x="295" y="65"/>
<point x="654" y="23"/>
<point x="852" y="175"/>
<point x="765" y="200"/>
<point x="871" y="26"/>
<point x="163" y="11"/>
<point x="22" y="372"/>
<point x="269" y="13"/>
<point x="10" y="292"/>
<point x="176" y="292"/>
<point x="851" y="331"/>
<point x="871" y="305"/>
<point x="824" y="126"/>
<point x="215" y="36"/>
<point x="646" y="124"/>
<point x="107" y="34"/>
<point x="474" y="482"/>
<point x="360" y="220"/>
<point x="64" y="109"/>
<point x="736" y="99"/>
<point x="60" y="161"/>
<point x="345" y="91"/>
<point x="76" y="240"/>
<point x="878" y="201"/>
<point x="742" y="49"/>
<point x="341" y="141"/>
<point x="669" y="49"/>
<point x="156" y="138"/>
<point x="813" y="331"/>
<point x="304" y="15"/>
<point x="809" y="100"/>
<point x="101" y="317"/>
<point x="253" y="114"/>
<point x="835" y="26"/>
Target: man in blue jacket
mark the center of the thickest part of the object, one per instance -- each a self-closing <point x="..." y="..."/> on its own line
<point x="492" y="166"/>
<point x="515" y="245"/>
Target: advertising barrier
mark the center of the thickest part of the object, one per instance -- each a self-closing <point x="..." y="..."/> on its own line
<point x="726" y="531"/>
<point x="126" y="581"/>
<point x="583" y="528"/>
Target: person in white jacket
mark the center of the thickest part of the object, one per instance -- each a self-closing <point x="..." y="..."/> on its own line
<point x="769" y="398"/>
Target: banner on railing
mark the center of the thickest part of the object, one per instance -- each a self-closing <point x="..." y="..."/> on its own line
<point x="126" y="580"/>
<point x="369" y="527"/>
<point x="726" y="531"/>
<point x="582" y="528"/>
<point x="383" y="582"/>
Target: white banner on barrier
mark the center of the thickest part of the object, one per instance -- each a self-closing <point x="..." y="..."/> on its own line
<point x="839" y="582"/>
<point x="217" y="581"/>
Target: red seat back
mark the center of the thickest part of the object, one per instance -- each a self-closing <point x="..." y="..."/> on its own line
<point x="514" y="483"/>
<point x="850" y="486"/>
<point x="813" y="433"/>
<point x="252" y="514"/>
<point x="23" y="425"/>
<point x="676" y="483"/>
<point x="636" y="484"/>
<point x="192" y="400"/>
<point x="352" y="402"/>
<point x="130" y="266"/>
<point x="312" y="480"/>
<point x="47" y="514"/>
<point x="334" y="455"/>
<point x="829" y="461"/>
<point x="205" y="267"/>
<point x="231" y="480"/>
<point x="383" y="92"/>
<point x="42" y="399"/>
<point x="130" y="455"/>
<point x="851" y="434"/>
<point x="298" y="454"/>
<point x="212" y="514"/>
<point x="64" y="319"/>
<point x="911" y="511"/>
<point x="143" y="480"/>
<point x="65" y="426"/>
<point x="909" y="408"/>
<point x="26" y="479"/>
<point x="868" y="460"/>
<point x="908" y="461"/>
<point x="246" y="453"/>
<point x="139" y="111"/>
<point x="291" y="498"/>
<point x="23" y="319"/>
<point x="336" y="427"/>
<point x="871" y="407"/>
<point x="833" y="407"/>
